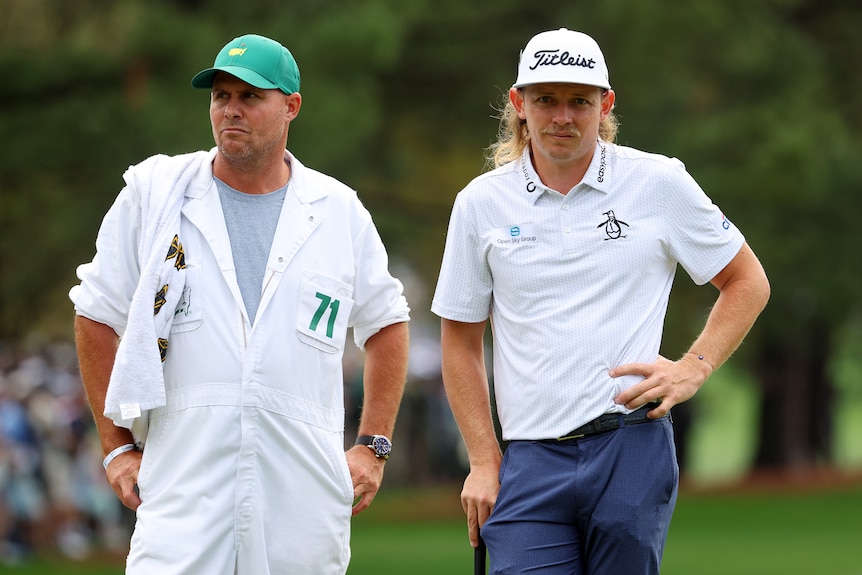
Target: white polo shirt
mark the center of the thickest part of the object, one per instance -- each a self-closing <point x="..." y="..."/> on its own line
<point x="575" y="284"/>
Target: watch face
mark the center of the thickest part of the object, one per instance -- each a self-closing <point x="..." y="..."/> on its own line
<point x="381" y="445"/>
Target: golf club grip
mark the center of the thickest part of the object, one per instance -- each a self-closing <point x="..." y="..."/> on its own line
<point x="479" y="558"/>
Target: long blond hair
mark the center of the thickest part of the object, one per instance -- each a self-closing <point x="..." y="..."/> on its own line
<point x="513" y="136"/>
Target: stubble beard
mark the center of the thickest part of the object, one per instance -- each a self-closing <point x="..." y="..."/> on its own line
<point x="246" y="157"/>
<point x="567" y="152"/>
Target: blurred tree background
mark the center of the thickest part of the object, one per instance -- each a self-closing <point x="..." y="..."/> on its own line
<point x="758" y="97"/>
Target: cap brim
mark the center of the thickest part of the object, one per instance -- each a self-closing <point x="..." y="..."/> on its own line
<point x="605" y="86"/>
<point x="204" y="79"/>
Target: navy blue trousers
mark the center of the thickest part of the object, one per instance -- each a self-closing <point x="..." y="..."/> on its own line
<point x="599" y="505"/>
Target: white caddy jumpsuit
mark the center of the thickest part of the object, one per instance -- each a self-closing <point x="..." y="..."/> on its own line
<point x="244" y="471"/>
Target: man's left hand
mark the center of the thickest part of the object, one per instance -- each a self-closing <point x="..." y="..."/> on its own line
<point x="366" y="471"/>
<point x="672" y="382"/>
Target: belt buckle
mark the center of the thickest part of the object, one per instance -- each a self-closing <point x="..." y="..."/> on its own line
<point x="565" y="437"/>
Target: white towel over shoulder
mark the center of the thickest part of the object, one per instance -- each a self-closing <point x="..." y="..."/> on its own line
<point x="137" y="382"/>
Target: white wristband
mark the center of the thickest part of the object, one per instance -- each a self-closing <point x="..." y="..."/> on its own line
<point x="118" y="451"/>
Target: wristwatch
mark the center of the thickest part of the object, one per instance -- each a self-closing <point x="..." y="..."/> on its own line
<point x="379" y="444"/>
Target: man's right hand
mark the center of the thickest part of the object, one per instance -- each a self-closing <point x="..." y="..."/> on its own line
<point x="122" y="474"/>
<point x="478" y="498"/>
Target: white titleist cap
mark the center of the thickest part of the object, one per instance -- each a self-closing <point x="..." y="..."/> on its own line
<point x="562" y="56"/>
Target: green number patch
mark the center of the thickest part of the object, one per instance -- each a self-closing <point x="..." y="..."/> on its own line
<point x="326" y="302"/>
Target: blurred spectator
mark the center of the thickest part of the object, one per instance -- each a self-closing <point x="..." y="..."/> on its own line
<point x="53" y="494"/>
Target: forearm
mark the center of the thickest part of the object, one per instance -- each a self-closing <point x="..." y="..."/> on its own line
<point x="744" y="291"/>
<point x="466" y="384"/>
<point x="97" y="346"/>
<point x="731" y="318"/>
<point x="384" y="377"/>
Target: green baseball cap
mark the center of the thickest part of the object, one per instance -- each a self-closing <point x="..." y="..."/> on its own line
<point x="261" y="62"/>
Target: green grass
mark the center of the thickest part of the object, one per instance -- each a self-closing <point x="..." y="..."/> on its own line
<point x="60" y="567"/>
<point x="766" y="534"/>
<point x="437" y="548"/>
<point x="749" y="533"/>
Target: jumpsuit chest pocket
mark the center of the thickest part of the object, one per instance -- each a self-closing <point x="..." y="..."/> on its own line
<point x="323" y="310"/>
<point x="188" y="314"/>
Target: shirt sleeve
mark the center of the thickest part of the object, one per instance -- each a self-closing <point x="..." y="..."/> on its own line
<point x="700" y="237"/>
<point x="378" y="296"/>
<point x="108" y="282"/>
<point x="465" y="284"/>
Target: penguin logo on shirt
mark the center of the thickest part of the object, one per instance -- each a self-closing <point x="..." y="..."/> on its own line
<point x="612" y="226"/>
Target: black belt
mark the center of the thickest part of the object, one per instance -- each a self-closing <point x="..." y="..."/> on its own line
<point x="612" y="421"/>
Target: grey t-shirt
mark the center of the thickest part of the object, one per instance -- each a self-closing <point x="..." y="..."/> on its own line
<point x="251" y="220"/>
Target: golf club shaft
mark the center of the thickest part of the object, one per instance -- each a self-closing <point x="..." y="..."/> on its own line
<point x="479" y="558"/>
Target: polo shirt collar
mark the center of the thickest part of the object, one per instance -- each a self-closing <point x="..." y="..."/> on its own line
<point x="596" y="175"/>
